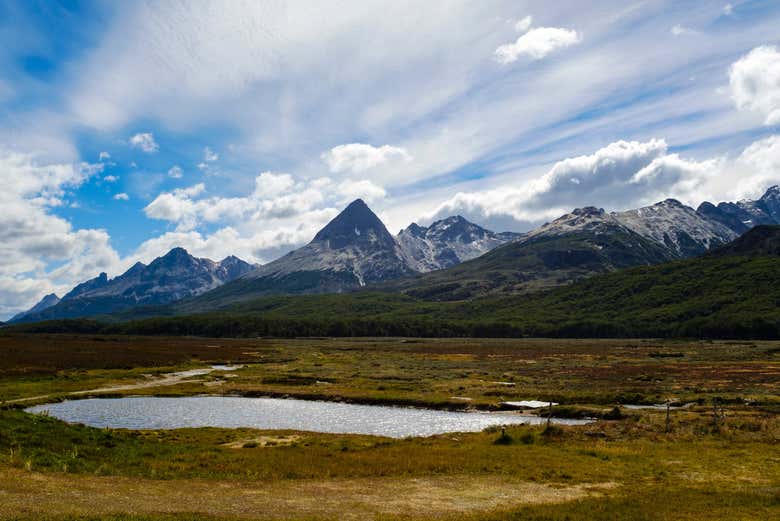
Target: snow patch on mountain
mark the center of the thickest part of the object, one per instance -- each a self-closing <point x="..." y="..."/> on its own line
<point x="355" y="247"/>
<point x="447" y="242"/>
<point x="678" y="227"/>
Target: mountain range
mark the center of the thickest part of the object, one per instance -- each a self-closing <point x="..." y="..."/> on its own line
<point x="729" y="292"/>
<point x="172" y="277"/>
<point x="452" y="259"/>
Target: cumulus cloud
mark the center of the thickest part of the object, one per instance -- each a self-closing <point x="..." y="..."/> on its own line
<point x="363" y="189"/>
<point x="111" y="178"/>
<point x="104" y="156"/>
<point x="623" y="174"/>
<point x="755" y="83"/>
<point x="121" y="197"/>
<point x="758" y="167"/>
<point x="274" y="196"/>
<point x="145" y="141"/>
<point x="279" y="213"/>
<point x="360" y="157"/>
<point x="39" y="251"/>
<point x="536" y="44"/>
<point x="728" y="9"/>
<point x="176" y="172"/>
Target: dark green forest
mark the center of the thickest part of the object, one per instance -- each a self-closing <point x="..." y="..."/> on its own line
<point x="730" y="294"/>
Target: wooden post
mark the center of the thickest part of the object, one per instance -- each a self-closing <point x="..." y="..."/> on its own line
<point x="668" y="418"/>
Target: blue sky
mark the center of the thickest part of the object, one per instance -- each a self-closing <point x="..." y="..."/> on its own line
<point x="241" y="127"/>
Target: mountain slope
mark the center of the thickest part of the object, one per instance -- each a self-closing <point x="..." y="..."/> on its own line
<point x="353" y="250"/>
<point x="743" y="215"/>
<point x="731" y="293"/>
<point x="577" y="245"/>
<point x="174" y="276"/>
<point x="45" y="303"/>
<point x="447" y="242"/>
<point x="762" y="240"/>
<point x="681" y="229"/>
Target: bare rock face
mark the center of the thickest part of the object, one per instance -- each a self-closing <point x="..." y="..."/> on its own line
<point x="680" y="228"/>
<point x="447" y="242"/>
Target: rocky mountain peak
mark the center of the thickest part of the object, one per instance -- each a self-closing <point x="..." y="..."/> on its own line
<point x="672" y="203"/>
<point x="85" y="287"/>
<point x="356" y="223"/>
<point x="414" y="229"/>
<point x="177" y="253"/>
<point x="772" y="192"/>
<point x="771" y="203"/>
<point x="681" y="229"/>
<point x="588" y="210"/>
<point x="46" y="302"/>
<point x="447" y="242"/>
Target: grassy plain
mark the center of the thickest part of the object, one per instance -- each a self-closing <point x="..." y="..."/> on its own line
<point x="626" y="468"/>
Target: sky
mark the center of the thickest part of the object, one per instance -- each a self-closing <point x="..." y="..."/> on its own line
<point x="242" y="127"/>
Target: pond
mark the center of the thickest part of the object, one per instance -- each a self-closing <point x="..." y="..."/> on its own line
<point x="274" y="413"/>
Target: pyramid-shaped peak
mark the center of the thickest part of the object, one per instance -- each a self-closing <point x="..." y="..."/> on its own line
<point x="178" y="251"/>
<point x="355" y="221"/>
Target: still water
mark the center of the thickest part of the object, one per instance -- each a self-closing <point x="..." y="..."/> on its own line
<point x="274" y="413"/>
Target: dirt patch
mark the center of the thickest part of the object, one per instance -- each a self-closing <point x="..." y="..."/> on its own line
<point x="263" y="441"/>
<point x="161" y="381"/>
<point x="31" y="493"/>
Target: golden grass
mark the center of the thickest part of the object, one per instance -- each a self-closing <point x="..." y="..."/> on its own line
<point x="32" y="493"/>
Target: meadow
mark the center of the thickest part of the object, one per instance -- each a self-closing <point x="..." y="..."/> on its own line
<point x="718" y="458"/>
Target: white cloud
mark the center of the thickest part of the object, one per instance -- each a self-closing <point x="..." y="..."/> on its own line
<point x="209" y="155"/>
<point x="363" y="189"/>
<point x="269" y="185"/>
<point x="755" y="83"/>
<point x="681" y="30"/>
<point x="121" y="197"/>
<point x="536" y="44"/>
<point x="39" y="251"/>
<point x="110" y="178"/>
<point x="524" y="24"/>
<point x="176" y="172"/>
<point x="728" y="9"/>
<point x="104" y="156"/>
<point x="145" y="141"/>
<point x="758" y="167"/>
<point x="624" y="174"/>
<point x="279" y="213"/>
<point x="360" y="157"/>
